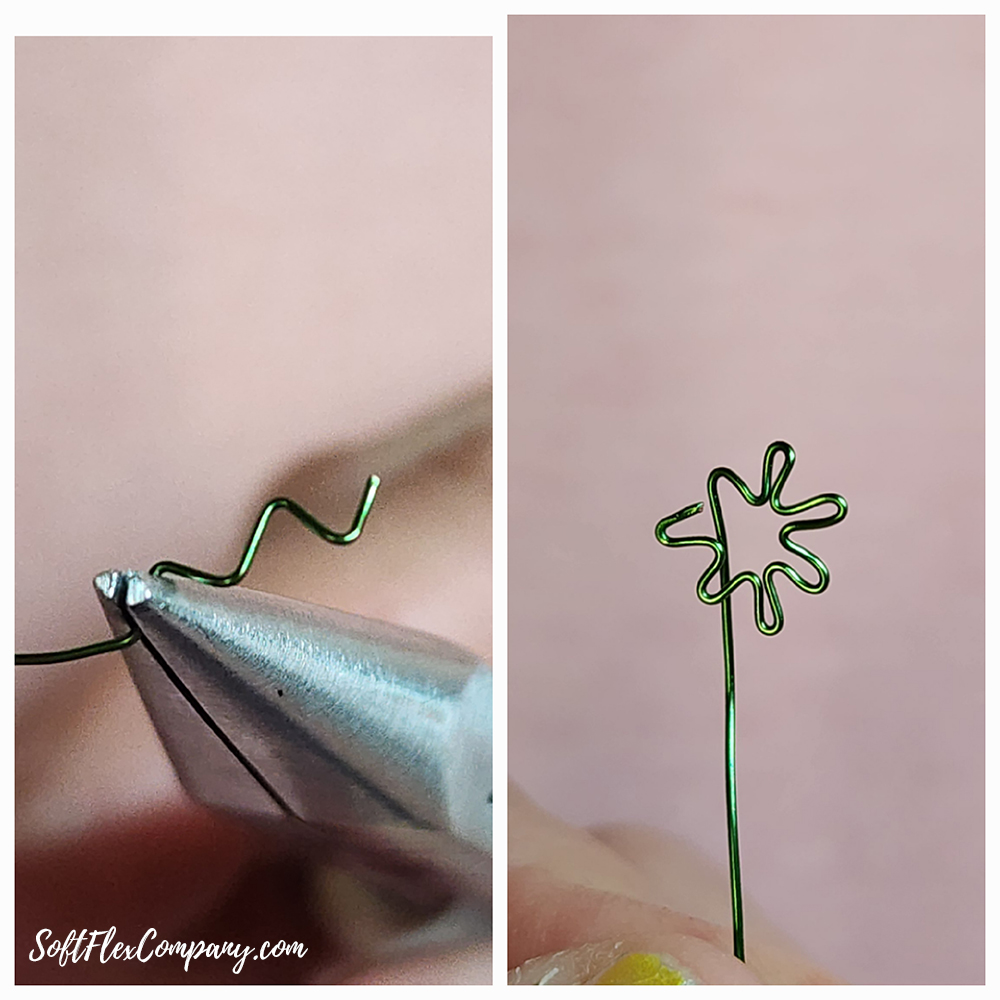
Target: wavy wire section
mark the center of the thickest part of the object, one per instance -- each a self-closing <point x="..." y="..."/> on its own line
<point x="228" y="580"/>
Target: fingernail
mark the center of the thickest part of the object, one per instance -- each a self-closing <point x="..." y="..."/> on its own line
<point x="601" y="965"/>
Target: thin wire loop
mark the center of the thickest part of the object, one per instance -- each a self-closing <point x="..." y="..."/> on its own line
<point x="228" y="580"/>
<point x="765" y="591"/>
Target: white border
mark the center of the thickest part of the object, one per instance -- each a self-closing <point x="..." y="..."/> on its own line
<point x="289" y="18"/>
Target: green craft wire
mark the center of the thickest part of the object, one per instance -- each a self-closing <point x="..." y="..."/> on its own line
<point x="770" y="493"/>
<point x="229" y="580"/>
<point x="732" y="824"/>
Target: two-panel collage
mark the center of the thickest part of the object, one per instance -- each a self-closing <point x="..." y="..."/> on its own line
<point x="416" y="438"/>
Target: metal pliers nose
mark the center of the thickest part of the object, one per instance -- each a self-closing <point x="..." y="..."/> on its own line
<point x="285" y="711"/>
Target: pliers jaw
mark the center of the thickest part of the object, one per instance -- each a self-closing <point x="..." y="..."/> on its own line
<point x="343" y="729"/>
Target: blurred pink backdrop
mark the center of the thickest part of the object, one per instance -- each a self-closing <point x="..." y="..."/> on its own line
<point x="726" y="231"/>
<point x="232" y="253"/>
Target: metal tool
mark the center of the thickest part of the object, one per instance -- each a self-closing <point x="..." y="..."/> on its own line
<point x="376" y="735"/>
<point x="369" y="742"/>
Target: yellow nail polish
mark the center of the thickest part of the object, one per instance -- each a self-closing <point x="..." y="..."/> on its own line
<point x="608" y="963"/>
<point x="639" y="969"/>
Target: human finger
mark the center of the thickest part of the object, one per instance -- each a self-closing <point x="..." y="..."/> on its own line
<point x="631" y="865"/>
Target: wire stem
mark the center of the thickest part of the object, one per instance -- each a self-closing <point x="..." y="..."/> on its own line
<point x="735" y="884"/>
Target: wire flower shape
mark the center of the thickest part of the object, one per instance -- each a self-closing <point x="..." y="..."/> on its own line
<point x="765" y="591"/>
<point x="765" y="596"/>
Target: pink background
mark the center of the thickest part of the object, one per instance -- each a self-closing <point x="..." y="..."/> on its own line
<point x="726" y="231"/>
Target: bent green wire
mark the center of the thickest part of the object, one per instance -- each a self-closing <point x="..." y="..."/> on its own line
<point x="230" y="579"/>
<point x="765" y="597"/>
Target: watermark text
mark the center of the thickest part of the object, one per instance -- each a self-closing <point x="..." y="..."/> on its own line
<point x="81" y="946"/>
